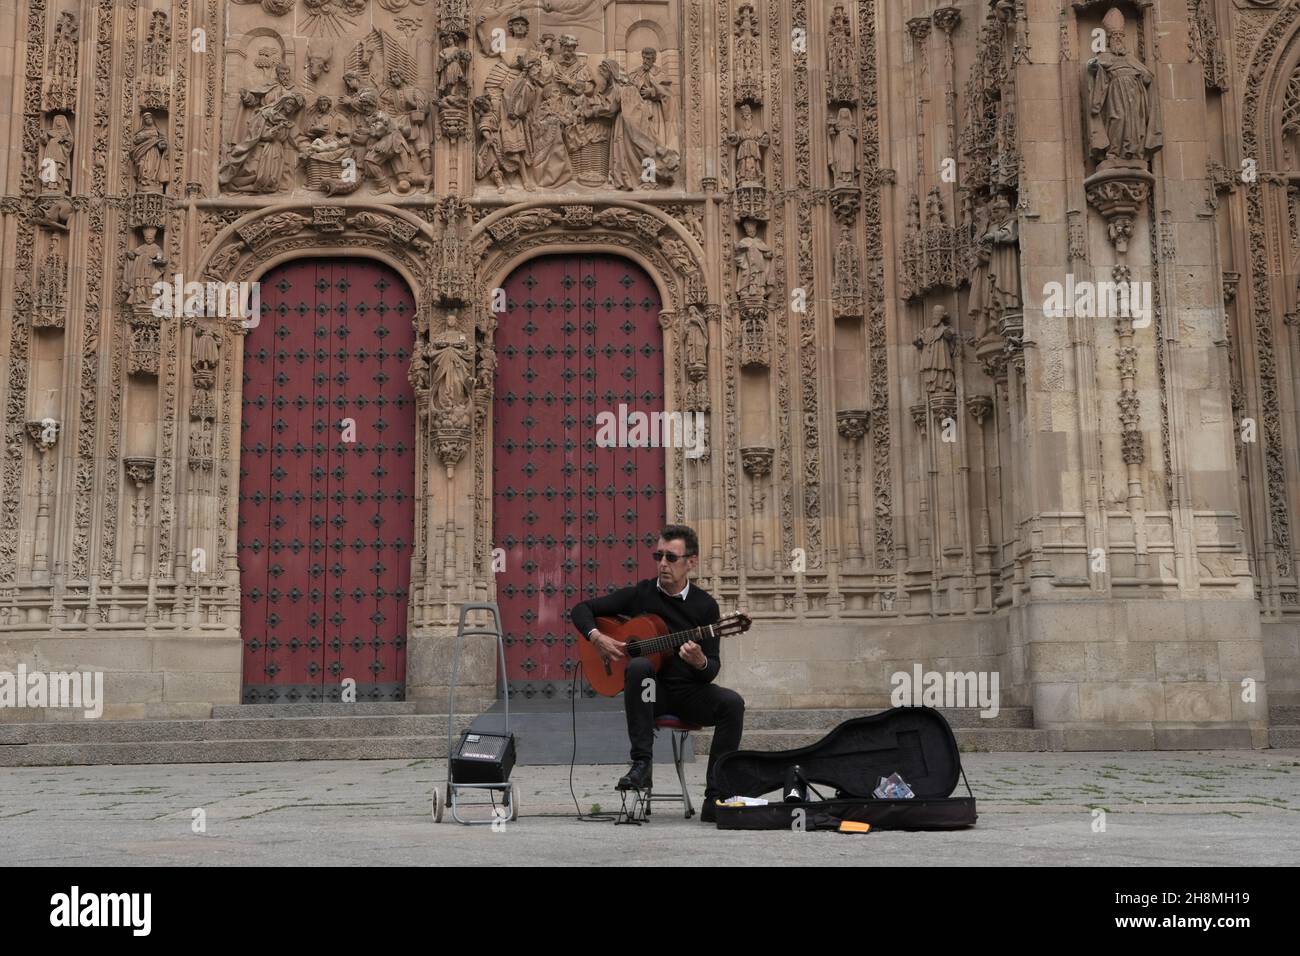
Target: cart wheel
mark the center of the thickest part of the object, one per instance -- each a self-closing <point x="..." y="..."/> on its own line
<point x="512" y="801"/>
<point x="437" y="805"/>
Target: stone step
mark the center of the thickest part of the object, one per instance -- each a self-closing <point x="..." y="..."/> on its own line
<point x="265" y="728"/>
<point x="306" y="709"/>
<point x="825" y="720"/>
<point x="1287" y="735"/>
<point x="1016" y="739"/>
<point x="224" y="751"/>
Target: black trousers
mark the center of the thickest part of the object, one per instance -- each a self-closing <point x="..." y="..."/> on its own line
<point x="706" y="705"/>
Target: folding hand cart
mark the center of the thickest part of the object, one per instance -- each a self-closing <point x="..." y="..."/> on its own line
<point x="509" y="792"/>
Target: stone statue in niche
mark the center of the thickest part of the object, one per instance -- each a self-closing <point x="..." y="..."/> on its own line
<point x="995" y="282"/>
<point x="451" y="358"/>
<point x="453" y="72"/>
<point x="55" y="171"/>
<point x="488" y="160"/>
<point x="753" y="264"/>
<point x="749" y="143"/>
<point x="408" y="107"/>
<point x="149" y="156"/>
<point x="1123" y="125"/>
<point x="144" y="268"/>
<point x="696" y="343"/>
<point x="204" y="359"/>
<point x="937" y="342"/>
<point x="264" y="160"/>
<point x="843" y="149"/>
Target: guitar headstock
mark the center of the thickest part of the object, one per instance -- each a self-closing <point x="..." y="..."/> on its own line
<point x="737" y="622"/>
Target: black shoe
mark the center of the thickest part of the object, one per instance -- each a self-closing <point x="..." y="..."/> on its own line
<point x="708" y="813"/>
<point x="637" y="778"/>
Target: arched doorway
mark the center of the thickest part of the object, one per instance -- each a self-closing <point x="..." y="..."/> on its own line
<point x="580" y="337"/>
<point x="326" y="483"/>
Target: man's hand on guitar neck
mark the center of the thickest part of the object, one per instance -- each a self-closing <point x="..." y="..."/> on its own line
<point x="608" y="648"/>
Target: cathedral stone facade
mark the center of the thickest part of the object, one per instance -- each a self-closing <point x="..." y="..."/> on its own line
<point x="986" y="311"/>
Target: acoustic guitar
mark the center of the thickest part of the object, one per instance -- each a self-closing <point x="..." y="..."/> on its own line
<point x="646" y="636"/>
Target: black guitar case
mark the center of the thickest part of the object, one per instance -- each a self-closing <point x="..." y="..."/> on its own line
<point x="915" y="742"/>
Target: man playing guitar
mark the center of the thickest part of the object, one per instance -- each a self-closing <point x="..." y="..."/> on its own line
<point x="683" y="686"/>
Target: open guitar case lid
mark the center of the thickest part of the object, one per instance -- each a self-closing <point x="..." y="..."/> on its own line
<point x="915" y="742"/>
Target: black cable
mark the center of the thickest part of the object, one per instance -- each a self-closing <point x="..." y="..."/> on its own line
<point x="602" y="817"/>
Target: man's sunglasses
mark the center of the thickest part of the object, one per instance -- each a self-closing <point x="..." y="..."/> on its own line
<point x="672" y="558"/>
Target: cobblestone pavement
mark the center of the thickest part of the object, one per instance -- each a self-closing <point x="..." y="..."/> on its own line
<point x="1164" y="808"/>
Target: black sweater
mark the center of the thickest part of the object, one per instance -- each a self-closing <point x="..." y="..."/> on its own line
<point x="698" y="609"/>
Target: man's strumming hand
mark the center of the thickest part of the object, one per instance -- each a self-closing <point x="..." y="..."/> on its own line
<point x="692" y="654"/>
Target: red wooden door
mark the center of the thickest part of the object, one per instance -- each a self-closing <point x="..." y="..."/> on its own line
<point x="581" y="336"/>
<point x="327" y="517"/>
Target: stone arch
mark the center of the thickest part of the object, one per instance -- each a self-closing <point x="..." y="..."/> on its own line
<point x="248" y="248"/>
<point x="675" y="259"/>
<point x="638" y="232"/>
<point x="1266" y="341"/>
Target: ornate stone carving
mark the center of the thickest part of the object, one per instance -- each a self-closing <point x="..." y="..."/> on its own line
<point x="1204" y="44"/>
<point x="49" y="305"/>
<point x="145" y="345"/>
<point x="455" y="274"/>
<point x="1118" y="194"/>
<point x="61" y="78"/>
<point x="264" y="161"/>
<point x="841" y="61"/>
<point x="757" y="461"/>
<point x="155" y="63"/>
<point x="979" y="407"/>
<point x="846" y="287"/>
<point x="852" y="424"/>
<point x="749" y="57"/>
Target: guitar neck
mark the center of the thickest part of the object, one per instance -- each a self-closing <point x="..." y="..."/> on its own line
<point x="669" y="642"/>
